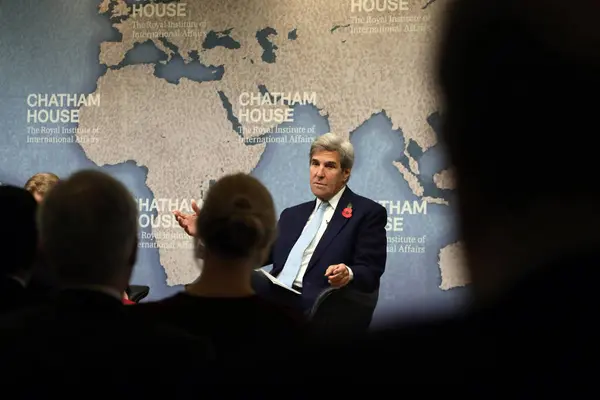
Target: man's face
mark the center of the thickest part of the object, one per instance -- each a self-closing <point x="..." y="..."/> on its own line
<point x="326" y="174"/>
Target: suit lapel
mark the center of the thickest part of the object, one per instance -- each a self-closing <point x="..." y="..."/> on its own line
<point x="337" y="223"/>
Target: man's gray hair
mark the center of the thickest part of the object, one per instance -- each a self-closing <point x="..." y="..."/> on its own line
<point x="88" y="228"/>
<point x="332" y="142"/>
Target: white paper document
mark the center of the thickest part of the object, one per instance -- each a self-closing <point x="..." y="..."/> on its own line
<point x="278" y="282"/>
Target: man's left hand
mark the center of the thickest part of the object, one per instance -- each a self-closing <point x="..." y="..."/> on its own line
<point x="338" y="275"/>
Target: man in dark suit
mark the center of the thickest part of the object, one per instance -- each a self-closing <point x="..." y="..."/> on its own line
<point x="18" y="246"/>
<point x="88" y="232"/>
<point x="336" y="240"/>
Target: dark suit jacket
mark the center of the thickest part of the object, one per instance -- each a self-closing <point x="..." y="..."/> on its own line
<point x="359" y="242"/>
<point x="44" y="282"/>
<point x="86" y="338"/>
<point x="12" y="294"/>
<point x="235" y="325"/>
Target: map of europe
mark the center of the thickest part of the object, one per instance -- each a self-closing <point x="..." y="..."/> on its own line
<point x="170" y="96"/>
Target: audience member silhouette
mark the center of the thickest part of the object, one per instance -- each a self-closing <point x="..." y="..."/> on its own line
<point x="237" y="226"/>
<point x="44" y="283"/>
<point x="88" y="231"/>
<point x="516" y="76"/>
<point x="18" y="246"/>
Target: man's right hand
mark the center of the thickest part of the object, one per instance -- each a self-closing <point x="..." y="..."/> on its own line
<point x="188" y="221"/>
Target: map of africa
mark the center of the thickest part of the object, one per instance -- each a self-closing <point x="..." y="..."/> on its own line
<point x="170" y="96"/>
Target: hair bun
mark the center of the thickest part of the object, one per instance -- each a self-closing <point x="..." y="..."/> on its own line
<point x="238" y="218"/>
<point x="241" y="203"/>
<point x="242" y="231"/>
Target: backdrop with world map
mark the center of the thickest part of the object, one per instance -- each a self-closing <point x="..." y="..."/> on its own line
<point x="169" y="96"/>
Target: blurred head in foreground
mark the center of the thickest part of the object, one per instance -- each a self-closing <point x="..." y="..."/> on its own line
<point x="88" y="230"/>
<point x="237" y="225"/>
<point x="518" y="81"/>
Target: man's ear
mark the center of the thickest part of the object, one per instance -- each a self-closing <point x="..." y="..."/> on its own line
<point x="346" y="173"/>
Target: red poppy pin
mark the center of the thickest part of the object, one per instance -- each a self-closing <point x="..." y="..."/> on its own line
<point x="347" y="212"/>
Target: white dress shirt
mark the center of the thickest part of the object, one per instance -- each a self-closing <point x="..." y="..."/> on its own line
<point x="306" y="256"/>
